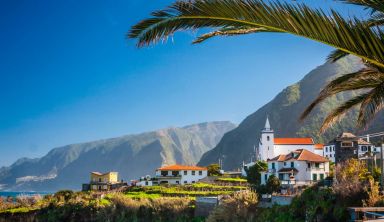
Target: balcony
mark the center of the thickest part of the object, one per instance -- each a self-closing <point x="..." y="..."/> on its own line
<point x="169" y="177"/>
<point x="315" y="169"/>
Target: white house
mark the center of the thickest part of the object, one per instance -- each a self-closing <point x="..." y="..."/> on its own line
<point x="269" y="146"/>
<point x="179" y="174"/>
<point x="299" y="167"/>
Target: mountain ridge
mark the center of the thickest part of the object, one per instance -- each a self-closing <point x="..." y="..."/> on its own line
<point x="134" y="155"/>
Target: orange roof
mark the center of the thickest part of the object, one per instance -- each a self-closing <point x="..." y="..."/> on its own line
<point x="300" y="154"/>
<point x="181" y="167"/>
<point x="293" y="141"/>
<point x="319" y="146"/>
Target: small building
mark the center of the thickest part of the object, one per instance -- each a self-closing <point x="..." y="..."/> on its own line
<point x="299" y="167"/>
<point x="346" y="146"/>
<point x="179" y="174"/>
<point x="103" y="182"/>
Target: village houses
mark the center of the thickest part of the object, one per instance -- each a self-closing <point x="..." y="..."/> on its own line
<point x="299" y="167"/>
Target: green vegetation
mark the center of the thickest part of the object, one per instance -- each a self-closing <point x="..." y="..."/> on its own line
<point x="229" y="179"/>
<point x="214" y="169"/>
<point x="254" y="172"/>
<point x="197" y="189"/>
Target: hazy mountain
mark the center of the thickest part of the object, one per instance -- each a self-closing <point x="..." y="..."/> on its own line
<point x="132" y="156"/>
<point x="284" y="111"/>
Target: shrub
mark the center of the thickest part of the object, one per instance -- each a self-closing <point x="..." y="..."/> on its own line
<point x="239" y="206"/>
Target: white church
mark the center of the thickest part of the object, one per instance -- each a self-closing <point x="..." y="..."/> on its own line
<point x="270" y="147"/>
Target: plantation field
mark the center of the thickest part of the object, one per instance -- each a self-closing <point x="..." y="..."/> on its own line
<point x="198" y="189"/>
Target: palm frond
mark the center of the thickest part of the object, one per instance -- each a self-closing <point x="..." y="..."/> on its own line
<point x="377" y="19"/>
<point x="351" y="36"/>
<point x="336" y="55"/>
<point x="340" y="111"/>
<point x="363" y="79"/>
<point x="372" y="104"/>
<point x="230" y="32"/>
<point x="373" y="5"/>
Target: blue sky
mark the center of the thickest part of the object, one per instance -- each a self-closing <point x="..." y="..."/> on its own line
<point x="68" y="75"/>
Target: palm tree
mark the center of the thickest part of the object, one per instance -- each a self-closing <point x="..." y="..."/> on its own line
<point x="364" y="39"/>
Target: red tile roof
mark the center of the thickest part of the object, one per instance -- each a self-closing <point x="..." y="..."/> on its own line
<point x="181" y="167"/>
<point x="319" y="146"/>
<point x="302" y="155"/>
<point x="294" y="141"/>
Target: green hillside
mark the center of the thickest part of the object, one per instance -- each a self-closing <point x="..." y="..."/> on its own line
<point x="284" y="111"/>
<point x="132" y="156"/>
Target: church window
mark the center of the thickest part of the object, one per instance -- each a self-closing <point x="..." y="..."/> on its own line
<point x="267" y="138"/>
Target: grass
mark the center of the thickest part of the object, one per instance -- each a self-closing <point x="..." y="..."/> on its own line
<point x="189" y="191"/>
<point x="19" y="210"/>
<point x="232" y="180"/>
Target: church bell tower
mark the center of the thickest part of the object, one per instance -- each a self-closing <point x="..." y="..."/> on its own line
<point x="266" y="145"/>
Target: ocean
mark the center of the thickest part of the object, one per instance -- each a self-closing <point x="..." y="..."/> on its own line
<point x="15" y="194"/>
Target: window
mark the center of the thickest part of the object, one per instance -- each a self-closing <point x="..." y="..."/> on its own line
<point x="281" y="176"/>
<point x="175" y="173"/>
<point x="185" y="181"/>
<point x="346" y="144"/>
<point x="265" y="177"/>
<point x="146" y="183"/>
<point x="105" y="180"/>
<point x="267" y="138"/>
<point x="200" y="172"/>
<point x="321" y="176"/>
<point x="308" y="165"/>
<point x="317" y="165"/>
<point x="273" y="166"/>
<point x="177" y="182"/>
<point x="364" y="148"/>
<point x="285" y="163"/>
<point x="193" y="172"/>
<point x="333" y="149"/>
<point x="292" y="164"/>
<point x="314" y="177"/>
<point x="326" y="149"/>
<point x="185" y="172"/>
<point x="330" y="155"/>
<point x="193" y="181"/>
<point x="164" y="173"/>
<point x="99" y="179"/>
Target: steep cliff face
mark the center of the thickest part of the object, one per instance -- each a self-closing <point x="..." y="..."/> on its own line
<point x="132" y="156"/>
<point x="284" y="111"/>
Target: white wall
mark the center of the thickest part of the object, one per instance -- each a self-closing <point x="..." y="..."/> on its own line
<point x="187" y="176"/>
<point x="285" y="149"/>
<point x="304" y="173"/>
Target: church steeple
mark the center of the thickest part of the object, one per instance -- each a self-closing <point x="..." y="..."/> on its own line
<point x="267" y="127"/>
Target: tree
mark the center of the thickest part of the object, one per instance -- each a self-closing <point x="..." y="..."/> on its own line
<point x="254" y="172"/>
<point x="214" y="170"/>
<point x="273" y="184"/>
<point x="236" y="17"/>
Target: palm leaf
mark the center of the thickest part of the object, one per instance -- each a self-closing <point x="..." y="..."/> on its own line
<point x="340" y="111"/>
<point x="364" y="79"/>
<point x="352" y="37"/>
<point x="373" y="5"/>
<point x="230" y="32"/>
<point x="336" y="55"/>
<point x="372" y="104"/>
